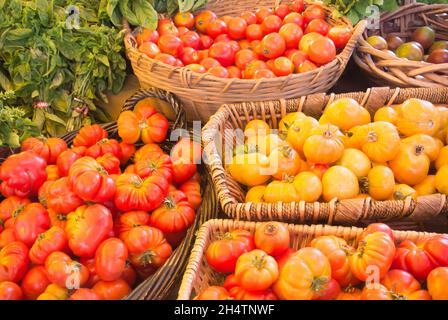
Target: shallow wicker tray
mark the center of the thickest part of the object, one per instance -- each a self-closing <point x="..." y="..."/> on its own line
<point x="425" y="212"/>
<point x="384" y="68"/>
<point x="203" y="94"/>
<point x="199" y="275"/>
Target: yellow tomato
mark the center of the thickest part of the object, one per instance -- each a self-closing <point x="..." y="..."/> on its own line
<point x="427" y="186"/>
<point x="324" y="145"/>
<point x="299" y="131"/>
<point x="255" y="128"/>
<point x="442" y="159"/>
<point x="356" y="161"/>
<point x="285" y="161"/>
<point x="281" y="191"/>
<point x="442" y="180"/>
<point x="402" y="191"/>
<point x="417" y="116"/>
<point x="428" y="144"/>
<point x="339" y="182"/>
<point x="442" y="133"/>
<point x="266" y="144"/>
<point x="308" y="186"/>
<point x="255" y="194"/>
<point x="411" y="165"/>
<point x="345" y="113"/>
<point x="289" y="119"/>
<point x="379" y="183"/>
<point x="249" y="169"/>
<point x="387" y="114"/>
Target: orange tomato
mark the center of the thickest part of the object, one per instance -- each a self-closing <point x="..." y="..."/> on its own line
<point x="282" y="66"/>
<point x="184" y="19"/>
<point x="285" y="161"/>
<point x="427" y="186"/>
<point x="266" y="143"/>
<point x="387" y="114"/>
<point x="379" y="183"/>
<point x="417" y="116"/>
<point x="443" y="115"/>
<point x="322" y="51"/>
<point x="203" y="19"/>
<point x="249" y="169"/>
<point x="339" y="182"/>
<point x="299" y="130"/>
<point x="272" y="237"/>
<point x="256" y="270"/>
<point x="281" y="191"/>
<point x="429" y="145"/>
<point x="411" y="165"/>
<point x="54" y="292"/>
<point x="442" y="180"/>
<point x="356" y="161"/>
<point x="437" y="280"/>
<point x="402" y="191"/>
<point x="324" y="145"/>
<point x="112" y="290"/>
<point x="403" y="286"/>
<point x="308" y="186"/>
<point x="442" y="158"/>
<point x="289" y="119"/>
<point x="255" y="194"/>
<point x="345" y="113"/>
<point x="349" y="293"/>
<point x="306" y="41"/>
<point x="213" y="293"/>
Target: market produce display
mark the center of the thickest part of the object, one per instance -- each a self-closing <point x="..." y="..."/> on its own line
<point x="400" y="152"/>
<point x="263" y="265"/>
<point x="92" y="220"/>
<point x="266" y="43"/>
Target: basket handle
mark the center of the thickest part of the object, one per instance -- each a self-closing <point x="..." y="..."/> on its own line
<point x="350" y="47"/>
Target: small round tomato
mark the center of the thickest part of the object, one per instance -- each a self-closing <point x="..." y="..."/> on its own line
<point x="249" y="16"/>
<point x="223" y="38"/>
<point x="306" y="41"/>
<point x="184" y="19"/>
<point x="322" y="51"/>
<point x="171" y="44"/>
<point x="203" y="19"/>
<point x="10" y="291"/>
<point x="166" y="58"/>
<point x="190" y="56"/>
<point x="213" y="293"/>
<point x="196" y="68"/>
<point x="264" y="74"/>
<point x="243" y="57"/>
<point x="254" y="32"/>
<point x="292" y="34"/>
<point x="244" y="44"/>
<point x="295" y="18"/>
<point x="191" y="39"/>
<point x="34" y="282"/>
<point x="271" y="24"/>
<point x="262" y="13"/>
<point x="112" y="290"/>
<point x="298" y="58"/>
<point x="318" y="26"/>
<point x="182" y="31"/>
<point x="272" y="238"/>
<point x="282" y="66"/>
<point x="312" y="12"/>
<point x="237" y="28"/>
<point x="273" y="46"/>
<point x="234" y="72"/>
<point x="252" y="67"/>
<point x="147" y="35"/>
<point x="297" y="6"/>
<point x="282" y="10"/>
<point x="150" y="49"/>
<point x="219" y="72"/>
<point x="205" y="42"/>
<point x="167" y="26"/>
<point x="340" y="35"/>
<point x="256" y="270"/>
<point x="216" y="28"/>
<point x="223" y="53"/>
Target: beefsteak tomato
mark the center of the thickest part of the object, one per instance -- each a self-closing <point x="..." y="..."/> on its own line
<point x="32" y="221"/>
<point x="155" y="163"/>
<point x="112" y="290"/>
<point x="61" y="198"/>
<point x="256" y="270"/>
<point x="110" y="259"/>
<point x="90" y="135"/>
<point x="64" y="272"/>
<point x="13" y="262"/>
<point x="54" y="239"/>
<point x="10" y="291"/>
<point x="47" y="148"/>
<point x="34" y="282"/>
<point x="272" y="237"/>
<point x="68" y="157"/>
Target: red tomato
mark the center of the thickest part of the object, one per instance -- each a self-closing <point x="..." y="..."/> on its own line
<point x="272" y="238"/>
<point x="127" y="152"/>
<point x="202" y="54"/>
<point x="146" y="35"/>
<point x="34" y="282"/>
<point x="166" y="58"/>
<point x="203" y="19"/>
<point x="244" y="44"/>
<point x="110" y="259"/>
<point x="322" y="51"/>
<point x="239" y="293"/>
<point x="22" y="174"/>
<point x="252" y="67"/>
<point x="271" y="24"/>
<point x="437" y="280"/>
<point x="65" y="272"/>
<point x="254" y="32"/>
<point x="306" y="66"/>
<point x="145" y="150"/>
<point x="10" y="291"/>
<point x="89" y="263"/>
<point x="184" y="19"/>
<point x="292" y="34"/>
<point x="171" y="44"/>
<point x="110" y="163"/>
<point x="150" y="49"/>
<point x="234" y="72"/>
<point x="295" y="18"/>
<point x="155" y="163"/>
<point x="179" y="63"/>
<point x="167" y="28"/>
<point x="49" y="148"/>
<point x="249" y="16"/>
<point x="54" y="239"/>
<point x="182" y="31"/>
<point x="132" y="219"/>
<point x="196" y="68"/>
<point x="61" y="198"/>
<point x="297" y="6"/>
<point x="89" y="136"/>
<point x="7" y="237"/>
<point x="219" y="72"/>
<point x="377" y="227"/>
<point x="57" y="219"/>
<point x="282" y="10"/>
<point x="262" y="13"/>
<point x="68" y="157"/>
<point x="223" y="53"/>
<point x="86" y="228"/>
<point x="318" y="26"/>
<point x="216" y="28"/>
<point x="264" y="74"/>
<point x="312" y="12"/>
<point x="104" y="146"/>
<point x="11" y="207"/>
<point x="183" y="170"/>
<point x="205" y="42"/>
<point x="112" y="290"/>
<point x="85" y="294"/>
<point x="223" y="38"/>
<point x="13" y="262"/>
<point x="222" y="254"/>
<point x="209" y="63"/>
<point x="243" y="57"/>
<point x="191" y="40"/>
<point x="282" y="258"/>
<point x="273" y="46"/>
<point x="437" y="247"/>
<point x="192" y="190"/>
<point x="90" y="181"/>
<point x="235" y="46"/>
<point x="298" y="58"/>
<point x="237" y="28"/>
<point x="340" y="35"/>
<point x="32" y="221"/>
<point x="213" y="293"/>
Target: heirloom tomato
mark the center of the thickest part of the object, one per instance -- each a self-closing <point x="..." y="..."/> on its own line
<point x="402" y="191"/>
<point x="22" y="174"/>
<point x="112" y="290"/>
<point x="132" y="219"/>
<point x="34" y="282"/>
<point x="272" y="238"/>
<point x="68" y="157"/>
<point x="129" y="275"/>
<point x="57" y="219"/>
<point x="135" y="193"/>
<point x="411" y="165"/>
<point x="89" y="263"/>
<point x="256" y="127"/>
<point x="10" y="291"/>
<point x="84" y="294"/>
<point x="339" y="182"/>
<point x="356" y="161"/>
<point x="285" y="161"/>
<point x="403" y="286"/>
<point x="330" y="291"/>
<point x="281" y="191"/>
<point x="298" y="131"/>
<point x="7" y="237"/>
<point x="65" y="272"/>
<point x="192" y="190"/>
<point x="52" y="172"/>
<point x="213" y="293"/>
<point x="379" y="183"/>
<point x="127" y="152"/>
<point x="250" y="169"/>
<point x="87" y="227"/>
<point x="429" y="145"/>
<point x="147" y="149"/>
<point x="32" y="221"/>
<point x="11" y="207"/>
<point x="427" y="186"/>
<point x="110" y="259"/>
<point x="13" y="262"/>
<point x="103" y="147"/>
<point x="256" y="270"/>
<point x="222" y="254"/>
<point x="303" y="276"/>
<point x="61" y="198"/>
<point x="437" y="280"/>
<point x="282" y="258"/>
<point x="110" y="163"/>
<point x="48" y="148"/>
<point x="90" y="181"/>
<point x="54" y="239"/>
<point x="377" y="227"/>
<point x="349" y="293"/>
<point x="239" y="293"/>
<point x="345" y="113"/>
<point x="155" y="163"/>
<point x="89" y="136"/>
<point x="442" y="159"/>
<point x="417" y="116"/>
<point x="324" y="145"/>
<point x="54" y="292"/>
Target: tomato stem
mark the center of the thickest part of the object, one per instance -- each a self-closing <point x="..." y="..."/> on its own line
<point x="146" y="258"/>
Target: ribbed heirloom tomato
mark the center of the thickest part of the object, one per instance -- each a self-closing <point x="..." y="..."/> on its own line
<point x="32" y="221"/>
<point x="34" y="282"/>
<point x="110" y="163"/>
<point x="256" y="270"/>
<point x="411" y="164"/>
<point x="155" y="163"/>
<point x="11" y="207"/>
<point x="68" y="157"/>
<point x="49" y="148"/>
<point x="272" y="238"/>
<point x="324" y="145"/>
<point x="285" y="161"/>
<point x="112" y="290"/>
<point x="213" y="293"/>
<point x="10" y="291"/>
<point x="61" y="198"/>
<point x="54" y="239"/>
<point x="13" y="262"/>
<point x="110" y="259"/>
<point x="65" y="272"/>
<point x="128" y="220"/>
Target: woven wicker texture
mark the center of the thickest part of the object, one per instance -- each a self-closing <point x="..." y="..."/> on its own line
<point x="408" y="213"/>
<point x="385" y="68"/>
<point x="203" y="94"/>
<point x="199" y="275"/>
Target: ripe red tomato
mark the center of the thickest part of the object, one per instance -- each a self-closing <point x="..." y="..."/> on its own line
<point x="243" y="57"/>
<point x="292" y="34"/>
<point x="68" y="157"/>
<point x="282" y="66"/>
<point x="52" y="240"/>
<point x="13" y="262"/>
<point x="252" y="67"/>
<point x="61" y="198"/>
<point x="223" y="38"/>
<point x="89" y="136"/>
<point x="377" y="227"/>
<point x="184" y="19"/>
<point x="191" y="40"/>
<point x="322" y="51"/>
<point x="295" y="18"/>
<point x="437" y="248"/>
<point x="282" y="10"/>
<point x="297" y="6"/>
<point x="239" y="293"/>
<point x="254" y="32"/>
<point x="205" y="42"/>
<point x="312" y="12"/>
<point x="235" y="46"/>
<point x="7" y="237"/>
<point x="213" y="293"/>
<point x="203" y="19"/>
<point x="196" y="68"/>
<point x="166" y="58"/>
<point x="249" y="16"/>
<point x="340" y="35"/>
<point x="127" y="152"/>
<point x="10" y="291"/>
<point x="219" y="72"/>
<point x="234" y="72"/>
<point x="209" y="63"/>
<point x="150" y="49"/>
<point x="34" y="282"/>
<point x="330" y="291"/>
<point x="132" y="219"/>
<point x="32" y="221"/>
<point x="11" y="207"/>
<point x="167" y="28"/>
<point x="272" y="238"/>
<point x="264" y="74"/>
<point x="155" y="163"/>
<point x="110" y="259"/>
<point x="49" y="148"/>
<point x="112" y="290"/>
<point x="192" y="190"/>
<point x="65" y="272"/>
<point x="223" y="53"/>
<point x="183" y="170"/>
<point x="271" y="24"/>
<point x="273" y="46"/>
<point x="306" y="66"/>
<point x="182" y="31"/>
<point x="262" y="13"/>
<point x="318" y="26"/>
<point x="87" y="227"/>
<point x="85" y="294"/>
<point x="171" y="44"/>
<point x="146" y="35"/>
<point x="110" y="163"/>
<point x="237" y="28"/>
<point x="244" y="44"/>
<point x="216" y="28"/>
<point x="222" y="254"/>
<point x="104" y="146"/>
<point x="202" y="54"/>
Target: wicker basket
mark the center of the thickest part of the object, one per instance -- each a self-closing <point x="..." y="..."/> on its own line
<point x="203" y="94"/>
<point x="407" y="214"/>
<point x="385" y="68"/>
<point x="199" y="275"/>
<point x="159" y="285"/>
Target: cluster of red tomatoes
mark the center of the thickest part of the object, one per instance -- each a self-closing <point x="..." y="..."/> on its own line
<point x="267" y="43"/>
<point x="73" y="225"/>
<point x="263" y="266"/>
